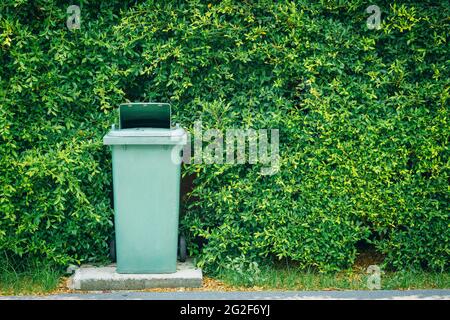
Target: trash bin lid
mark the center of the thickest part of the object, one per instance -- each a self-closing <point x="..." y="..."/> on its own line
<point x="144" y="115"/>
<point x="145" y="136"/>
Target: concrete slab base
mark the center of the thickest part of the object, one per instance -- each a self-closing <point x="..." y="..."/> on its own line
<point x="89" y="278"/>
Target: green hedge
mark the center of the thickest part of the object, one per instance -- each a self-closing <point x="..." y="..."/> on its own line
<point x="362" y="114"/>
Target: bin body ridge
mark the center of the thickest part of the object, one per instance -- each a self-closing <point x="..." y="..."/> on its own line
<point x="146" y="205"/>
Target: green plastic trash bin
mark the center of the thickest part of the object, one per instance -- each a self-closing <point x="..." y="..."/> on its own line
<point x="146" y="160"/>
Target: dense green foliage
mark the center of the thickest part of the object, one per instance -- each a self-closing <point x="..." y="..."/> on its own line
<point x="362" y="114"/>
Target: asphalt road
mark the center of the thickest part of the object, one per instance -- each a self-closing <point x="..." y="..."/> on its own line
<point x="256" y="295"/>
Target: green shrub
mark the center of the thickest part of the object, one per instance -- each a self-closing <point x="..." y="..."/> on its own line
<point x="362" y="114"/>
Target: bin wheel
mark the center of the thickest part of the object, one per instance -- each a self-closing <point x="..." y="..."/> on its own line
<point x="112" y="250"/>
<point x="182" y="248"/>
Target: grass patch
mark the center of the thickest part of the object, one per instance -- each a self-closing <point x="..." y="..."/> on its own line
<point x="20" y="278"/>
<point x="292" y="279"/>
<point x="27" y="279"/>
